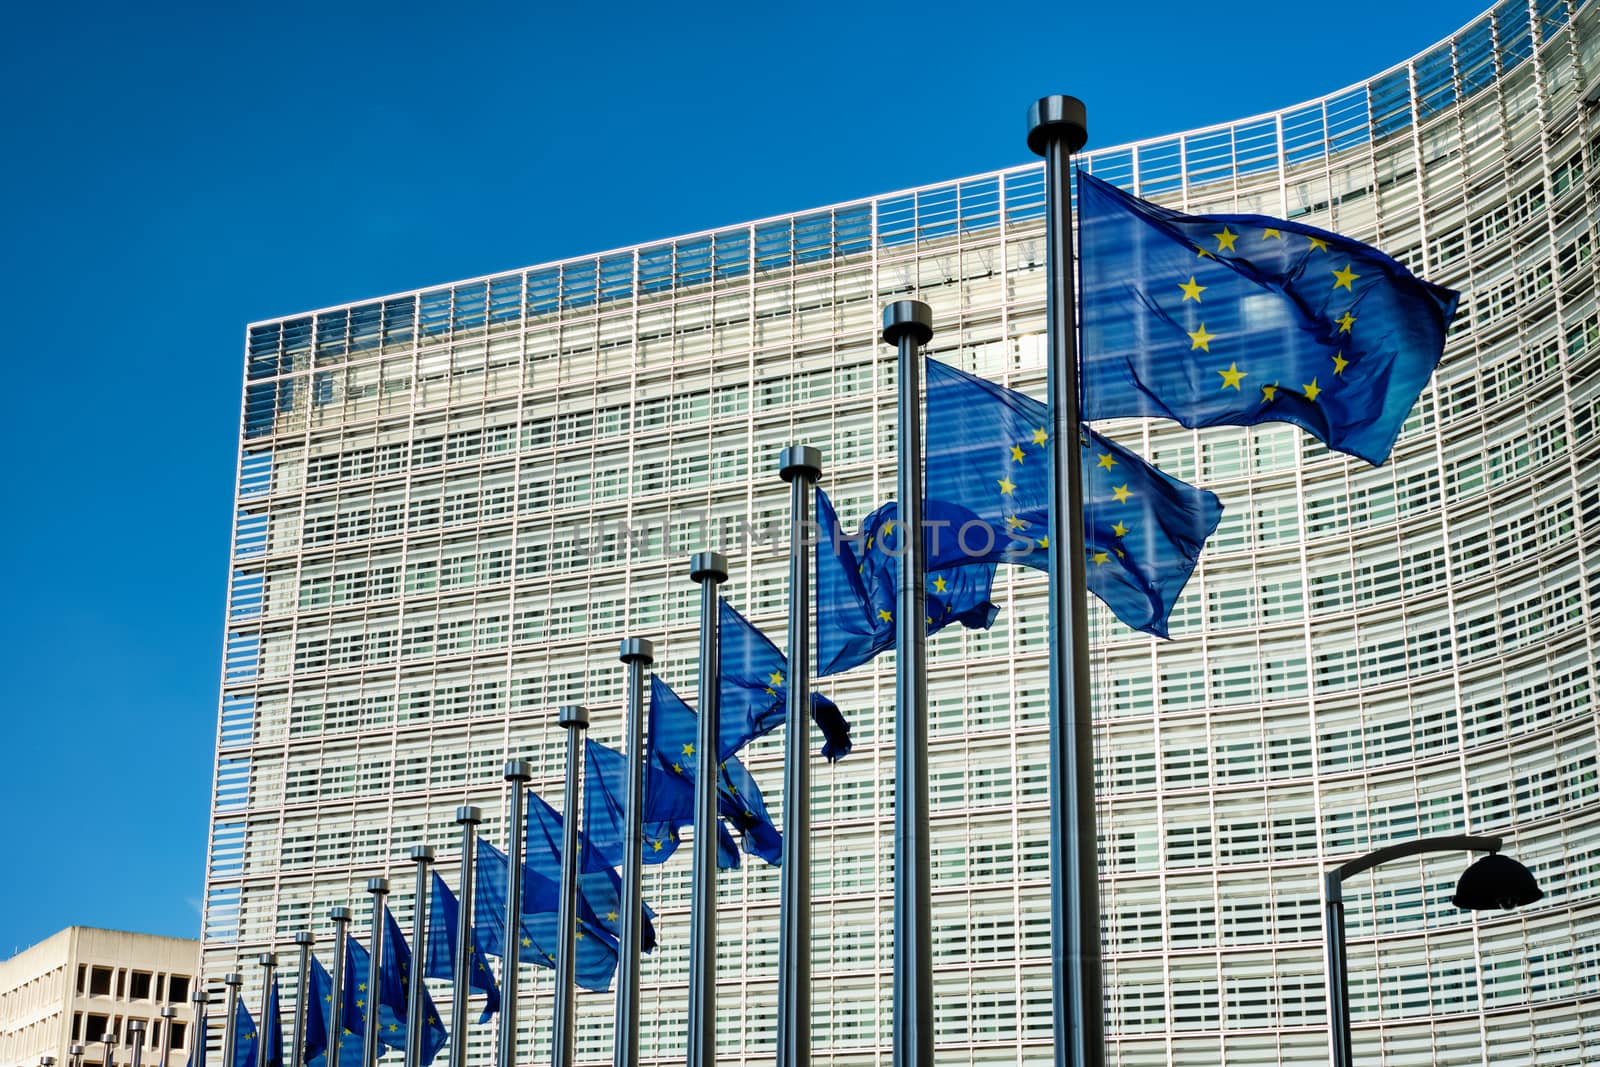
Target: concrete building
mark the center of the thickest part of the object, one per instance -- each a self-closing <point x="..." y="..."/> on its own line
<point x="429" y="557"/>
<point x="83" y="983"/>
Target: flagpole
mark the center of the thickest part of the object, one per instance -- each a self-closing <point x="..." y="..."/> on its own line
<point x="168" y="1013"/>
<point x="709" y="570"/>
<point x="468" y="816"/>
<point x="519" y="772"/>
<point x="302" y="989"/>
<point x="201" y="1000"/>
<point x="908" y="325"/>
<point x="574" y="718"/>
<point x="422" y="856"/>
<point x="800" y="466"/>
<point x="638" y="653"/>
<point x="109" y="1039"/>
<point x="269" y="966"/>
<point x="378" y="888"/>
<point x="335" y="1020"/>
<point x="135" y="1039"/>
<point x="1057" y="127"/>
<point x="230" y="1025"/>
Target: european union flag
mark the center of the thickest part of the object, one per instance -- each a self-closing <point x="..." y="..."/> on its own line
<point x="668" y="806"/>
<point x="1239" y="319"/>
<point x="599" y="885"/>
<point x="244" y="1036"/>
<point x="444" y="918"/>
<point x="319" y="1013"/>
<point x="755" y="693"/>
<point x="394" y="979"/>
<point x="856" y="581"/>
<point x="357" y="995"/>
<point x="537" y="942"/>
<point x="670" y="760"/>
<point x="988" y="475"/>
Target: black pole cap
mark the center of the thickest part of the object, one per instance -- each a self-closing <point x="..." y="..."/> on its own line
<point x="1056" y="116"/>
<point x="708" y="567"/>
<point x="907" y="318"/>
<point x="637" y="650"/>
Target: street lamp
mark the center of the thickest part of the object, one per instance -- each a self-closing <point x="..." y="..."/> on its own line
<point x="1493" y="882"/>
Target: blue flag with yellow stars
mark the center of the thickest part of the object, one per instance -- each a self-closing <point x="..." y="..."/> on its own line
<point x="244" y="1036"/>
<point x="671" y="760"/>
<point x="357" y="994"/>
<point x="755" y="691"/>
<point x="539" y="939"/>
<point x="444" y="917"/>
<point x="1239" y="319"/>
<point x="856" y="581"/>
<point x="989" y="478"/>
<point x="394" y="978"/>
<point x="319" y="1010"/>
<point x="668" y="806"/>
<point x="599" y="885"/>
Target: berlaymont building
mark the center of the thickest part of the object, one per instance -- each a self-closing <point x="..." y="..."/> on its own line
<point x="453" y="503"/>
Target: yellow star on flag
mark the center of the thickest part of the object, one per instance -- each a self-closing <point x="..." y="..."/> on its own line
<point x="1317" y="243"/>
<point x="1119" y="529"/>
<point x="1014" y="523"/>
<point x="1225" y="240"/>
<point x="1122" y="493"/>
<point x="1107" y="461"/>
<point x="1269" y="393"/>
<point x="1345" y="322"/>
<point x="939" y="585"/>
<point x="1039" y="436"/>
<point x="1344" y="278"/>
<point x="775" y="678"/>
<point x="1202" y="340"/>
<point x="1016" y="453"/>
<point x="1231" y="376"/>
<point x="884" y="615"/>
<point x="1311" y="390"/>
<point x="1192" y="290"/>
<point x="1269" y="233"/>
<point x="1044" y="542"/>
<point x="1099" y="558"/>
<point x="688" y="750"/>
<point x="1339" y="363"/>
<point x="1006" y="486"/>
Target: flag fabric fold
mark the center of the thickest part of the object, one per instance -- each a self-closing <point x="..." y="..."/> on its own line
<point x="272" y="1026"/>
<point x="989" y="476"/>
<point x="319" y="1013"/>
<point x="754" y="690"/>
<point x="538" y="939"/>
<point x="244" y="1036"/>
<point x="599" y="885"/>
<point x="1241" y="319"/>
<point x="668" y="806"/>
<point x="444" y="919"/>
<point x="394" y="1010"/>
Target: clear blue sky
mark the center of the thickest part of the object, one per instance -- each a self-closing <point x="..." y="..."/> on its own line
<point x="170" y="175"/>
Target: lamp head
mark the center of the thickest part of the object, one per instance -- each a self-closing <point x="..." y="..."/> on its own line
<point x="1496" y="882"/>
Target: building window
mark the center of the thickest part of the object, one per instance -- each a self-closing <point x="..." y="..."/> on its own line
<point x="179" y="1031"/>
<point x="100" y="982"/>
<point x="139" y="985"/>
<point x="177" y="989"/>
<point x="95" y="1026"/>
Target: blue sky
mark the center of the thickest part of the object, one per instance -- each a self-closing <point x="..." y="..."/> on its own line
<point x="170" y="176"/>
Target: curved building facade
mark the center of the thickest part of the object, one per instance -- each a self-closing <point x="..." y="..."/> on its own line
<point x="453" y="503"/>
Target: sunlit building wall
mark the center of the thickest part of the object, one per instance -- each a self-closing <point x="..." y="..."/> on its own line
<point x="453" y="503"/>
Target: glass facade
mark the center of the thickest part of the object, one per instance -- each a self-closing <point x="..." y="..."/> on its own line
<point x="453" y="503"/>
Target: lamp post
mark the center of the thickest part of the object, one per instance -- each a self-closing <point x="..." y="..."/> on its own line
<point x="1493" y="882"/>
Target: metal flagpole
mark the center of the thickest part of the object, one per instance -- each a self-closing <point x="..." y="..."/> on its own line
<point x="269" y="966"/>
<point x="468" y="816"/>
<point x="335" y="1014"/>
<point x="421" y="855"/>
<point x="574" y="718"/>
<point x="75" y="1051"/>
<point x="302" y="989"/>
<point x="164" y="1049"/>
<point x="1057" y="127"/>
<point x="230" y="1025"/>
<point x="637" y="653"/>
<point x="109" y="1039"/>
<point x="135" y="1039"/>
<point x="519" y="772"/>
<point x="908" y="324"/>
<point x="378" y="888"/>
<point x="710" y="570"/>
<point x="800" y="466"/>
<point x="200" y="999"/>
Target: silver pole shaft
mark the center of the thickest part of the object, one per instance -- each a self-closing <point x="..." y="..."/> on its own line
<point x="1056" y="129"/>
<point x="302" y="989"/>
<point x="908" y="324"/>
<point x="519" y="773"/>
<point x="230" y="1026"/>
<point x="201" y="1000"/>
<point x="109" y="1039"/>
<point x="800" y="466"/>
<point x="422" y="856"/>
<point x="168" y="1014"/>
<point x="574" y="719"/>
<point x="710" y="570"/>
<point x="135" y="1039"/>
<point x="378" y="888"/>
<point x="335" y="1014"/>
<point x="269" y="969"/>
<point x="1339" y="1036"/>
<point x="469" y="817"/>
<point x="638" y="654"/>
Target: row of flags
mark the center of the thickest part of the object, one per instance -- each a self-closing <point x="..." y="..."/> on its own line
<point x="1206" y="320"/>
